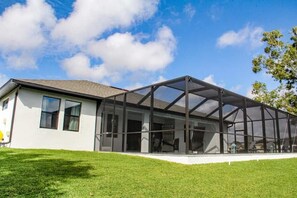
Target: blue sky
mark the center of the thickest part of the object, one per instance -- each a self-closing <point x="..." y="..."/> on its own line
<point x="134" y="43"/>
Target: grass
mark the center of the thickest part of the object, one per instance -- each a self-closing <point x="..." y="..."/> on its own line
<point x="51" y="173"/>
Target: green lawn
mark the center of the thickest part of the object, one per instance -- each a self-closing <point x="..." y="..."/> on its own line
<point x="50" y="173"/>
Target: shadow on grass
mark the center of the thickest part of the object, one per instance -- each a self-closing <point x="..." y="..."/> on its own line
<point x="37" y="175"/>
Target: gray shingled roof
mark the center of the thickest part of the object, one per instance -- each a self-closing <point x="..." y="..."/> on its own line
<point x="77" y="87"/>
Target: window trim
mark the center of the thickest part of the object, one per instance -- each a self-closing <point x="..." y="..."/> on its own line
<point x="64" y="129"/>
<point x="46" y="96"/>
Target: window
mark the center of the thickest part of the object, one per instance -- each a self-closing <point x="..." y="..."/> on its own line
<point x="5" y="104"/>
<point x="50" y="112"/>
<point x="115" y="125"/>
<point x="71" y="116"/>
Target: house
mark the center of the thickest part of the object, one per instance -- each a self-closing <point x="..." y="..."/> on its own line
<point x="57" y="114"/>
<point x="183" y="115"/>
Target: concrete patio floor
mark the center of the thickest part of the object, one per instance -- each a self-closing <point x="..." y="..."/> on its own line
<point x="214" y="158"/>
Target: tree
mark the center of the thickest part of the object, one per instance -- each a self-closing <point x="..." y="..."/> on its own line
<point x="280" y="61"/>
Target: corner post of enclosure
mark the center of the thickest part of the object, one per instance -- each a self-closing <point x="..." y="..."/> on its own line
<point x="277" y="131"/>
<point x="289" y="133"/>
<point x="187" y="113"/>
<point x="221" y="120"/>
<point x="245" y="127"/>
<point x="102" y="125"/>
<point x="263" y="128"/>
<point x="151" y="126"/>
<point x="98" y="103"/>
<point x="112" y="124"/>
<point x="124" y="123"/>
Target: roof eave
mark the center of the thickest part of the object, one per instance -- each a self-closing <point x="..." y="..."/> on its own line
<point x="57" y="90"/>
<point x="7" y="88"/>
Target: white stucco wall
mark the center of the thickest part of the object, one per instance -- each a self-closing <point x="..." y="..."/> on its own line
<point x="28" y="134"/>
<point x="145" y="136"/>
<point x="179" y="124"/>
<point x="211" y="140"/>
<point x="6" y="115"/>
<point x="212" y="137"/>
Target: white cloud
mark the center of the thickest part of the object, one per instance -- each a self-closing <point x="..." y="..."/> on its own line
<point x="210" y="79"/>
<point x="3" y="79"/>
<point x="233" y="38"/>
<point x="249" y="93"/>
<point x="256" y="36"/>
<point x="134" y="86"/>
<point x="91" y="18"/>
<point x="21" y="61"/>
<point x="250" y="36"/>
<point x="160" y="79"/>
<point x="23" y="31"/>
<point x="189" y="10"/>
<point x="119" y="53"/>
<point x="139" y="85"/>
<point x="22" y="26"/>
<point x="123" y="52"/>
<point x="79" y="66"/>
<point x="88" y="37"/>
<point x="235" y="88"/>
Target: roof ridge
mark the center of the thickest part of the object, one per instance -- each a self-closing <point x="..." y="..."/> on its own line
<point x="39" y="79"/>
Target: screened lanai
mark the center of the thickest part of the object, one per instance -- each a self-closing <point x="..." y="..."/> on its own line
<point x="189" y="116"/>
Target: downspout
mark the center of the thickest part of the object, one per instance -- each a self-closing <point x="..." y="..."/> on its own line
<point x="12" y="118"/>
